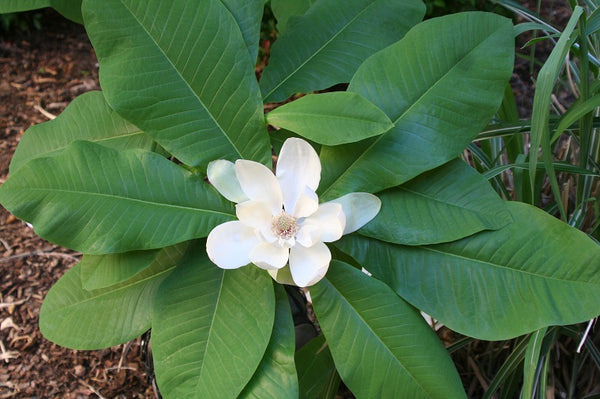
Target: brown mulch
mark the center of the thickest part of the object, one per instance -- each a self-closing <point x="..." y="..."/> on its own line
<point x="41" y="72"/>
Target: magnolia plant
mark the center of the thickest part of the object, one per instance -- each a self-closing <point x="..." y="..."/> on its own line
<point x="142" y="178"/>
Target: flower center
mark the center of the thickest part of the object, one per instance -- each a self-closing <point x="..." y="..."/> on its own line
<point x="284" y="226"/>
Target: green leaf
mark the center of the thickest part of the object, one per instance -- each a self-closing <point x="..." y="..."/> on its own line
<point x="68" y="8"/>
<point x="445" y="204"/>
<point x="508" y="371"/>
<point x="89" y="118"/>
<point x="248" y="15"/>
<point x="559" y="166"/>
<point x="98" y="200"/>
<point x="340" y="39"/>
<point x="102" y="271"/>
<point x="331" y="118"/>
<point x="534" y="272"/>
<point x="79" y="319"/>
<point x="531" y="362"/>
<point x="284" y="9"/>
<point x="593" y="23"/>
<point x="575" y="112"/>
<point x="540" y="132"/>
<point x="276" y="374"/>
<point x="382" y="347"/>
<point x="316" y="369"/>
<point x="210" y="328"/>
<point x="180" y="71"/>
<point x="439" y="97"/>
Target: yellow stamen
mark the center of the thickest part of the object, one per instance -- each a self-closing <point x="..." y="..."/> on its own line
<point x="284" y="226"/>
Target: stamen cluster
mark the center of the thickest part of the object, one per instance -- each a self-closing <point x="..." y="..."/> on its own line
<point x="284" y="226"/>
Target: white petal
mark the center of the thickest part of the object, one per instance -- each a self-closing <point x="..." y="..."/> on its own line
<point x="269" y="256"/>
<point x="299" y="173"/>
<point x="359" y="209"/>
<point x="254" y="214"/>
<point x="307" y="203"/>
<point x="308" y="234"/>
<point x="309" y="265"/>
<point x="326" y="224"/>
<point x="229" y="244"/>
<point x="259" y="184"/>
<point x="221" y="174"/>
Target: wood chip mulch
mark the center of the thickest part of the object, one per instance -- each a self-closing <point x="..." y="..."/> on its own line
<point x="41" y="72"/>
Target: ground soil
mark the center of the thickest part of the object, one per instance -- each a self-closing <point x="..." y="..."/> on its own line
<point x="40" y="73"/>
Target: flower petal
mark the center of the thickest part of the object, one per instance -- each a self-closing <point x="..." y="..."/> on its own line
<point x="259" y="184"/>
<point x="299" y="173"/>
<point x="308" y="234"/>
<point x="359" y="209"/>
<point x="269" y="257"/>
<point x="326" y="224"/>
<point x="306" y="204"/>
<point x="221" y="174"/>
<point x="229" y="244"/>
<point x="254" y="214"/>
<point x="309" y="265"/>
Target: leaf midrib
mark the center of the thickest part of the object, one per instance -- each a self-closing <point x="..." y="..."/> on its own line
<point x="111" y="292"/>
<point x="319" y="116"/>
<point x="483" y="217"/>
<point x="218" y="302"/>
<point x="91" y="140"/>
<point x="352" y="166"/>
<point x="170" y="62"/>
<point x="122" y="198"/>
<point x="50" y="152"/>
<point x="318" y="51"/>
<point x="388" y="350"/>
<point x="506" y="267"/>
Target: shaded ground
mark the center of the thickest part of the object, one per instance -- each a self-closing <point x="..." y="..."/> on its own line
<point x="42" y="72"/>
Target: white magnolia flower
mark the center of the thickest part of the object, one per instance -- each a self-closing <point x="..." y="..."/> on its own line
<point x="280" y="219"/>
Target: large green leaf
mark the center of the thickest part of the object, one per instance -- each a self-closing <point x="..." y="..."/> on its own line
<point x="316" y="370"/>
<point x="180" y="71"/>
<point x="326" y="45"/>
<point x="210" y="328"/>
<point x="79" y="319"/>
<point x="102" y="271"/>
<point x="440" y="85"/>
<point x="248" y="15"/>
<point x="535" y="272"/>
<point x="382" y="347"/>
<point x="331" y="118"/>
<point x="98" y="200"/>
<point x="445" y="204"/>
<point x="276" y="375"/>
<point x="89" y="118"/>
<point x="283" y="10"/>
<point x="68" y="8"/>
